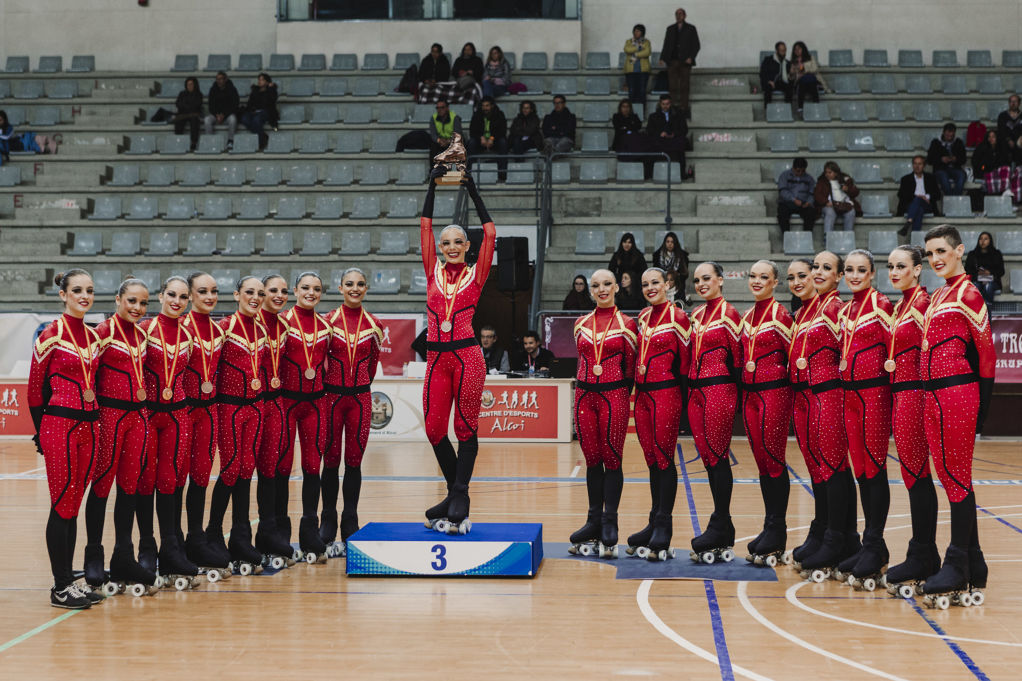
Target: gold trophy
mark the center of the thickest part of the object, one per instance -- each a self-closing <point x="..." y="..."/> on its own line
<point x="453" y="158"/>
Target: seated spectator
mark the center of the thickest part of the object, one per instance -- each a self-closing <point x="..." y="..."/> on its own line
<point x="673" y="259"/>
<point x="627" y="127"/>
<point x="495" y="358"/>
<point x="795" y="196"/>
<point x="804" y="74"/>
<point x="578" y="297"/>
<point x="637" y="50"/>
<point x="627" y="257"/>
<point x="628" y="296"/>
<point x="985" y="266"/>
<point x="189" y="110"/>
<point x="667" y="131"/>
<point x="25" y="141"/>
<point x="774" y="73"/>
<point x="434" y="67"/>
<point x="918" y="194"/>
<point x="496" y="74"/>
<point x="261" y="108"/>
<point x="526" y="129"/>
<point x="835" y="195"/>
<point x="468" y="68"/>
<point x="487" y="133"/>
<point x="559" y="128"/>
<point x="1009" y="123"/>
<point x="991" y="165"/>
<point x="441" y="128"/>
<point x="224" y="103"/>
<point x="536" y="359"/>
<point x="671" y="279"/>
<point x="947" y="156"/>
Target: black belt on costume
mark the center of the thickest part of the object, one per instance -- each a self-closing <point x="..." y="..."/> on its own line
<point x="603" y="387"/>
<point x="271" y="395"/>
<point x="450" y="346"/>
<point x="766" y="385"/>
<point x="123" y="405"/>
<point x="161" y="408"/>
<point x="800" y="386"/>
<point x="196" y="402"/>
<point x="238" y="401"/>
<point x="901" y="386"/>
<point x="303" y="397"/>
<point x="866" y="384"/>
<point x="69" y="413"/>
<point x="347" y="391"/>
<point x="826" y="386"/>
<point x="713" y="380"/>
<point x="950" y="381"/>
<point x="657" y="385"/>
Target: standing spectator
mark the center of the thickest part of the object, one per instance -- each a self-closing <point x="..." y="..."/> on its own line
<point x="991" y="165"/>
<point x="804" y="74"/>
<point x="918" y="194"/>
<point x="495" y="357"/>
<point x="525" y="129"/>
<point x="667" y="131"/>
<point x="487" y="133"/>
<point x="536" y="358"/>
<point x="1009" y="123"/>
<point x="673" y="259"/>
<point x="628" y="296"/>
<point x="681" y="45"/>
<point x="774" y="73"/>
<point x="627" y="127"/>
<point x="442" y="127"/>
<point x="578" y="297"/>
<point x="637" y="50"/>
<point x="497" y="74"/>
<point x="947" y="156"/>
<point x="985" y="266"/>
<point x="434" y="67"/>
<point x="835" y="195"/>
<point x="224" y="103"/>
<point x="795" y="196"/>
<point x="467" y="66"/>
<point x="261" y="108"/>
<point x="189" y="110"/>
<point x="627" y="257"/>
<point x="559" y="128"/>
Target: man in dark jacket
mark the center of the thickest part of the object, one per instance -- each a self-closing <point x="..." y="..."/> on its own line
<point x="795" y="196"/>
<point x="261" y="109"/>
<point x="681" y="45"/>
<point x="773" y="74"/>
<point x="667" y="131"/>
<point x="487" y="133"/>
<point x="947" y="156"/>
<point x="535" y="358"/>
<point x="1009" y="123"/>
<point x="495" y="357"/>
<point x="224" y="103"/>
<point x="434" y="67"/>
<point x="559" y="127"/>
<point x="918" y="194"/>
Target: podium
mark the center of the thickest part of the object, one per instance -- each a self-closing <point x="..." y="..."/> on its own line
<point x="409" y="549"/>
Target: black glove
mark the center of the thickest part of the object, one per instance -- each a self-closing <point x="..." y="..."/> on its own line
<point x="37" y="421"/>
<point x="986" y="391"/>
<point x="437" y="172"/>
<point x="37" y="443"/>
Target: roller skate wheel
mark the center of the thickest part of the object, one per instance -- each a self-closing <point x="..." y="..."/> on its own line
<point x="161" y="582"/>
<point x="883" y="580"/>
<point x="181" y="583"/>
<point x="296" y="555"/>
<point x="440" y="525"/>
<point x="818" y="576"/>
<point x="965" y="600"/>
<point x="213" y="576"/>
<point x="978" y="597"/>
<point x="943" y="602"/>
<point x="642" y="552"/>
<point x="110" y="589"/>
<point x="631" y="550"/>
<point x="906" y="591"/>
<point x="786" y="558"/>
<point x="586" y="550"/>
<point x="708" y="557"/>
<point x="771" y="561"/>
<point x="310" y="558"/>
<point x="663" y="554"/>
<point x="277" y="563"/>
<point x="244" y="569"/>
<point x="613" y="552"/>
<point x="138" y="590"/>
<point x="672" y="553"/>
<point x="869" y="584"/>
<point x="465" y="526"/>
<point x="602" y="551"/>
<point x="727" y="555"/>
<point x="849" y="580"/>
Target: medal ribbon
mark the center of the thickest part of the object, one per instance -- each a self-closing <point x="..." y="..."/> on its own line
<point x="647" y="335"/>
<point x="755" y="331"/>
<point x="901" y="315"/>
<point x="934" y="304"/>
<point x="168" y="376"/>
<point x="86" y="366"/>
<point x="812" y="313"/>
<point x="451" y="294"/>
<point x="134" y="352"/>
<point x="253" y="348"/>
<point x="701" y="329"/>
<point x="305" y="345"/>
<point x="352" y="347"/>
<point x="597" y="341"/>
<point x="202" y="346"/>
<point x="846" y="345"/>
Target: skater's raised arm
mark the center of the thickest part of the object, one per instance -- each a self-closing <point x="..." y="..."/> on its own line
<point x="426" y="238"/>
<point x="489" y="233"/>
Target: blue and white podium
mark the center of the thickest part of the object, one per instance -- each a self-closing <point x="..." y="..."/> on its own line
<point x="409" y="549"/>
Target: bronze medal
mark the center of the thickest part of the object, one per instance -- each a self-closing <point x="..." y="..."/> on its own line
<point x="598" y="370"/>
<point x="274" y="382"/>
<point x="843" y="365"/>
<point x="890" y="365"/>
<point x="750" y="366"/>
<point x="310" y="373"/>
<point x="89" y="395"/>
<point x="446" y="326"/>
<point x="642" y="370"/>
<point x="207" y="387"/>
<point x="926" y="345"/>
<point x="255" y="384"/>
<point x="168" y="393"/>
<point x="140" y="395"/>
<point x="801" y="363"/>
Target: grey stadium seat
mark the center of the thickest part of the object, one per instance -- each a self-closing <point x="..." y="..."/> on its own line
<point x="918" y="85"/>
<point x="402" y="60"/>
<point x="44" y="116"/>
<point x="931" y="280"/>
<point x="215" y="208"/>
<point x="344" y="62"/>
<point x="292" y="114"/>
<point x="954" y="85"/>
<point x="142" y="208"/>
<point x="278" y="243"/>
<point x="305" y="175"/>
<point x="317" y="243"/>
<point x="875" y="206"/>
<point x="840" y="242"/>
<point x="958" y="207"/>
<point x="597" y="86"/>
<point x="267" y="176"/>
<point x="882" y="241"/>
<point x="162" y="244"/>
<point x="1011" y="59"/>
<point x="250" y="62"/>
<point x="593" y="172"/>
<point x="312" y="62"/>
<point x="821" y="140"/>
<point x="333" y="87"/>
<point x="890" y="112"/>
<point x="174" y="144"/>
<point x="232" y="175"/>
<point x="107" y="281"/>
<point x="945" y="58"/>
<point x="998" y="207"/>
<point x="218" y="62"/>
<point x="340" y="173"/>
<point x="384" y="142"/>
<point x="141" y="144"/>
<point x="485" y="173"/>
<point x="375" y="62"/>
<point x="421" y="113"/>
<point x="898" y="140"/>
<point x="928" y="111"/>
<point x="245" y="143"/>
<point x="290" y="208"/>
<point x="280" y="143"/>
<point x="387" y="280"/>
<point x="366" y="207"/>
<point x="10" y="176"/>
<point x="661" y="170"/>
<point x="597" y="61"/>
<point x="254" y="208"/>
<point x="410" y="173"/>
<point x="565" y="61"/>
<point x="1015" y="277"/>
<point x="17" y="65"/>
<point x="375" y="174"/>
<point x="226" y="278"/>
<point x="444" y="207"/>
<point x="124" y="175"/>
<point x="782" y="141"/>
<point x="840" y="58"/>
<point x="419" y="282"/>
<point x="866" y="172"/>
<point x="798" y="243"/>
<point x="62" y="89"/>
<point x="106" y="208"/>
<point x="979" y="59"/>
<point x="323" y="114"/>
<point x="50" y="64"/>
<point x="816" y="112"/>
<point x="212" y="144"/>
<point x="560" y="172"/>
<point x="564" y="85"/>
<point x="356" y="243"/>
<point x="87" y="243"/>
<point x="531" y="61"/>
<point x="596" y="112"/>
<point x="125" y="243"/>
<point x="964" y="111"/>
<point x="314" y="143"/>
<point x="82" y="63"/>
<point x="392" y="113"/>
<point x="845" y="84"/>
<point x="989" y="85"/>
<point x="403" y="206"/>
<point x="200" y="244"/>
<point x="358" y="114"/>
<point x="195" y="175"/>
<point x="882" y="84"/>
<point x="853" y="112"/>
<point x="328" y="208"/>
<point x="186" y="63"/>
<point x="860" y="140"/>
<point x="28" y="89"/>
<point x="910" y="59"/>
<point x="595" y="141"/>
<point x="239" y="243"/>
<point x="349" y="143"/>
<point x="590" y="242"/>
<point x="778" y="112"/>
<point x="521" y="173"/>
<point x="300" y="87"/>
<point x="393" y="243"/>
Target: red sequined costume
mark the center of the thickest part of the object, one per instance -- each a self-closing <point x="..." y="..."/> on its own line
<point x="64" y="362"/>
<point x="352" y="358"/>
<point x="274" y="458"/>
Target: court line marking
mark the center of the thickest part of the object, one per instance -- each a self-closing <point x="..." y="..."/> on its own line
<point x="41" y="628"/>
<point x="792" y="596"/>
<point x="743" y="597"/>
<point x="642" y="598"/>
<point x="800" y="480"/>
<point x="955" y="648"/>
<point x="1000" y="518"/>
<point x="575" y="470"/>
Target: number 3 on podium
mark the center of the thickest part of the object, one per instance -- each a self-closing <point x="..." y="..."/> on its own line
<point x="440" y="551"/>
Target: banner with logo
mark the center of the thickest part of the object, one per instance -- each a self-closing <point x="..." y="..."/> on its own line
<point x="399" y="330"/>
<point x="1008" y="346"/>
<point x="518" y="411"/>
<point x="14" y="416"/>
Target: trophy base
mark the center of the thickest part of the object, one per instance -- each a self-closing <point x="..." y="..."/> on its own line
<point x="451" y="178"/>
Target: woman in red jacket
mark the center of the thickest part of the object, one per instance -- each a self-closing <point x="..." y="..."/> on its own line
<point x="904" y="265"/>
<point x="712" y="403"/>
<point x="957" y="364"/>
<point x="62" y="401"/>
<point x="606" y="342"/>
<point x="660" y="372"/>
<point x="123" y="424"/>
<point x="766" y="406"/>
<point x="455" y="369"/>
<point x="354" y="354"/>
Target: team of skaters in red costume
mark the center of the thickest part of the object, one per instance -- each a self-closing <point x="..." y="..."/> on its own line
<point x="148" y="402"/>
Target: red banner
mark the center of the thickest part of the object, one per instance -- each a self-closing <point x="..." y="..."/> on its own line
<point x="519" y="410"/>
<point x="14" y="416"/>
<point x="1008" y="346"/>
<point x="398" y="333"/>
<point x="559" y="334"/>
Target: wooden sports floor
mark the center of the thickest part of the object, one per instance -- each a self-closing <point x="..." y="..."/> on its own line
<point x="574" y="620"/>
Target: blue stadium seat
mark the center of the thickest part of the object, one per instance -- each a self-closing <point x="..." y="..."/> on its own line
<point x="945" y="58"/>
<point x="918" y="85"/>
<point x="300" y="87"/>
<point x="323" y="114"/>
<point x="87" y="243"/>
<point x="106" y="208"/>
<point x="375" y="62"/>
<point x="979" y="59"/>
<point x="821" y="140"/>
<point x="402" y="60"/>
<point x="333" y="87"/>
<point x="384" y="142"/>
<point x="597" y="87"/>
<point x="392" y="114"/>
<point x="341" y="173"/>
<point x="344" y="62"/>
<point x="910" y="59"/>
<point x="212" y="144"/>
<point x="816" y="112"/>
<point x="230" y="175"/>
<point x="357" y="114"/>
<point x="162" y="244"/>
<point x="890" y="112"/>
<point x="928" y="111"/>
<point x="778" y="112"/>
<point x="1011" y="59"/>
<point x="312" y="62"/>
<point x="28" y="89"/>
<point x="349" y="143"/>
<point x="180" y="208"/>
<point x="218" y="62"/>
<point x="253" y="208"/>
<point x="280" y="142"/>
<point x="268" y="175"/>
<point x="564" y="85"/>
<point x="375" y="174"/>
<point x="17" y="65"/>
<point x="597" y="61"/>
<point x="964" y="111"/>
<point x="82" y="63"/>
<point x="215" y="208"/>
<point x="853" y="112"/>
<point x="782" y="141"/>
<point x="239" y="243"/>
<point x="328" y="208"/>
<point x="290" y="208"/>
<point x="174" y="144"/>
<point x="292" y="114"/>
<point x="391" y="243"/>
<point x="250" y="62"/>
<point x="531" y="61"/>
<point x="898" y="140"/>
<point x="317" y="243"/>
<point x="565" y="61"/>
<point x="186" y="63"/>
<point x="194" y="175"/>
<point x="125" y="243"/>
<point x="314" y="143"/>
<point x="840" y="58"/>
<point x="245" y="143"/>
<point x="142" y="208"/>
<point x="304" y="175"/>
<point x="954" y="85"/>
<point x="989" y="85"/>
<point x="845" y="84"/>
<point x="882" y="84"/>
<point x="50" y="64"/>
<point x="874" y="58"/>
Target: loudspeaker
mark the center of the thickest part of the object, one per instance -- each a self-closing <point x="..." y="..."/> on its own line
<point x="475" y="242"/>
<point x="513" y="264"/>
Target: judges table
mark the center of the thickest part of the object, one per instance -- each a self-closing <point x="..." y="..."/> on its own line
<point x="518" y="409"/>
